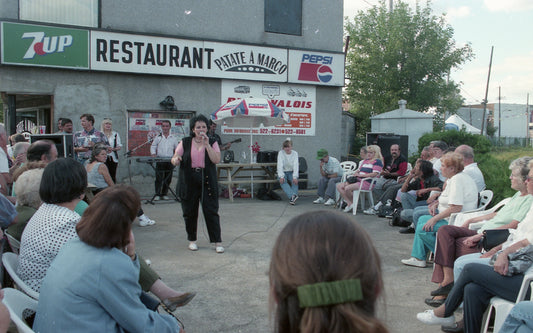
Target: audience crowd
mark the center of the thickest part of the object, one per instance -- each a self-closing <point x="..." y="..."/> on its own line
<point x="74" y="225"/>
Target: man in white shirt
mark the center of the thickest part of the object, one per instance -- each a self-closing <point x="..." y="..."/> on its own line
<point x="471" y="167"/>
<point x="163" y="146"/>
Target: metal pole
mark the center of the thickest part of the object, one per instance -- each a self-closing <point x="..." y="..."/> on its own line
<point x="485" y="101"/>
<point x="499" y="112"/>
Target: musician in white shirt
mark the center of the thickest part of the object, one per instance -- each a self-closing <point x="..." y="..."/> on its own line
<point x="163" y="146"/>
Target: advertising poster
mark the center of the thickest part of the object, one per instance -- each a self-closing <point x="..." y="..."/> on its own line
<point x="144" y="126"/>
<point x="299" y="101"/>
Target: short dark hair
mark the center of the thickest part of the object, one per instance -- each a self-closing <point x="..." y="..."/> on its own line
<point x="196" y="119"/>
<point x="89" y="117"/>
<point x="166" y="121"/>
<point x="63" y="180"/>
<point x="38" y="149"/>
<point x="107" y="221"/>
<point x="65" y="121"/>
<point x="16" y="138"/>
<point x="426" y="167"/>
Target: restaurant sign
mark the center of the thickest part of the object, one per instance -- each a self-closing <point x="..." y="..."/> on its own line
<point x="169" y="56"/>
<point x="37" y="45"/>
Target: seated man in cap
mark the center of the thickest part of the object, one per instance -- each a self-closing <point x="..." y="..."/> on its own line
<point x="331" y="174"/>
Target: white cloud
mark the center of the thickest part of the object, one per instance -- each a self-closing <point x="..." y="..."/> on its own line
<point x="508" y="5"/>
<point x="457" y="12"/>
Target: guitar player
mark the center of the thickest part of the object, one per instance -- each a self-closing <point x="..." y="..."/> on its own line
<point x="212" y="135"/>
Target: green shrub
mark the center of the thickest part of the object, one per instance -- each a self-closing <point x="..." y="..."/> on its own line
<point x="480" y="143"/>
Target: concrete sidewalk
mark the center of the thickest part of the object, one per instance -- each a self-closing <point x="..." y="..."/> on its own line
<point x="233" y="287"/>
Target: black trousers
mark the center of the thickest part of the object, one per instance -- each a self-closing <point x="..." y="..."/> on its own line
<point x="112" y="167"/>
<point x="476" y="285"/>
<point x="199" y="192"/>
<point x="163" y="177"/>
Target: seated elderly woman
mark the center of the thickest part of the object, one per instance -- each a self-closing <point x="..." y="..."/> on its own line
<point x="370" y="167"/>
<point x="28" y="200"/>
<point x="311" y="290"/>
<point x="61" y="189"/>
<point x="459" y="194"/>
<point x="91" y="286"/>
<point x="477" y="281"/>
<point x="455" y="241"/>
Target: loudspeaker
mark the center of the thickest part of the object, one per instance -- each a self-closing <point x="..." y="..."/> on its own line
<point x="63" y="142"/>
<point x="267" y="156"/>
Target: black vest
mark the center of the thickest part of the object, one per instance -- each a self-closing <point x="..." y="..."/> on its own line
<point x="209" y="174"/>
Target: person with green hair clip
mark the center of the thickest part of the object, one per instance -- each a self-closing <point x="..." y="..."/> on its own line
<point x="325" y="276"/>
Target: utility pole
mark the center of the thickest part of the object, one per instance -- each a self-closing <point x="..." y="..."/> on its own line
<point x="485" y="101"/>
<point x="499" y="112"/>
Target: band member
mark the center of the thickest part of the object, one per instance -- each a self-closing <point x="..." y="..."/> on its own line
<point x="163" y="146"/>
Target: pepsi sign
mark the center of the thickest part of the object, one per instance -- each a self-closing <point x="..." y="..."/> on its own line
<point x="317" y="68"/>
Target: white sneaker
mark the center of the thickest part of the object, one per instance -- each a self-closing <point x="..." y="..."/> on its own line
<point x="348" y="208"/>
<point x="320" y="200"/>
<point x="428" y="317"/>
<point x="414" y="262"/>
<point x="144" y="221"/>
<point x="219" y="249"/>
<point x="330" y="202"/>
<point x="165" y="197"/>
<point x="370" y="211"/>
<point x="193" y="247"/>
<point x="157" y="198"/>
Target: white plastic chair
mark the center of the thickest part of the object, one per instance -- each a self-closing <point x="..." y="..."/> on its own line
<point x="485" y="198"/>
<point x="501" y="307"/>
<point x="16" y="302"/>
<point x="357" y="194"/>
<point x="462" y="217"/>
<point x="10" y="261"/>
<point x="348" y="168"/>
<point x="13" y="243"/>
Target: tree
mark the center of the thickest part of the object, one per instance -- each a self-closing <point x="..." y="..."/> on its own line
<point x="401" y="55"/>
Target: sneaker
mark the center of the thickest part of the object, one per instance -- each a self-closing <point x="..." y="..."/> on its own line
<point x="330" y="202"/>
<point x="165" y="197"/>
<point x="219" y="249"/>
<point x="193" y="246"/>
<point x="414" y="262"/>
<point x="157" y="198"/>
<point x="291" y="200"/>
<point x="428" y="317"/>
<point x="144" y="221"/>
<point x="407" y="230"/>
<point x="348" y="208"/>
<point x="320" y="200"/>
<point x="370" y="211"/>
<point x="295" y="197"/>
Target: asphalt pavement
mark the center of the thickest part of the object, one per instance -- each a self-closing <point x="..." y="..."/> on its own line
<point x="233" y="287"/>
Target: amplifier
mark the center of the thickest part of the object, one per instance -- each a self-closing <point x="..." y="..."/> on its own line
<point x="267" y="156"/>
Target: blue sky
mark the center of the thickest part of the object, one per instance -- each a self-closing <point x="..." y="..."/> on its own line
<point x="505" y="24"/>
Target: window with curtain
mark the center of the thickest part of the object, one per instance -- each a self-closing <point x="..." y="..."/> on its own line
<point x="283" y="16"/>
<point x="73" y="12"/>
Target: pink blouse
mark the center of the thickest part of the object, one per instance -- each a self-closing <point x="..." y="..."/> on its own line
<point x="197" y="156"/>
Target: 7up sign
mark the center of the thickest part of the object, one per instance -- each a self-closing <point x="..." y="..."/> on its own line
<point x="37" y="45"/>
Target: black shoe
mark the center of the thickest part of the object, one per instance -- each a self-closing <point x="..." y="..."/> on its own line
<point x="455" y="328"/>
<point x="344" y="204"/>
<point x="434" y="302"/>
<point x="442" y="291"/>
<point x="408" y="230"/>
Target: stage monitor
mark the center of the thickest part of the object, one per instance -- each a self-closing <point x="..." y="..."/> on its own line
<point x="64" y="143"/>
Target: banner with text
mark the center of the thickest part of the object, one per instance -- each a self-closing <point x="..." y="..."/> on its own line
<point x="297" y="100"/>
<point x="36" y="45"/>
<point x="169" y="56"/>
<point x="311" y="67"/>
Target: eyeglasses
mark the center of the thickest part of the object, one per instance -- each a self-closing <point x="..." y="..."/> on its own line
<point x="107" y="118"/>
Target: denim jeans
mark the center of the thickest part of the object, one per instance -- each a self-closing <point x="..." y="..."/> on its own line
<point x="520" y="319"/>
<point x="291" y="189"/>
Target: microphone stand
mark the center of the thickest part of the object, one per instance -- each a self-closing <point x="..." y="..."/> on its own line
<point x="129" y="152"/>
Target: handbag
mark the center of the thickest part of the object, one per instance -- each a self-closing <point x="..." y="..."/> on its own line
<point x="493" y="237"/>
<point x="519" y="261"/>
<point x="352" y="179"/>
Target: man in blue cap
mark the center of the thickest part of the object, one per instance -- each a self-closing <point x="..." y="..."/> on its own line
<point x="331" y="174"/>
